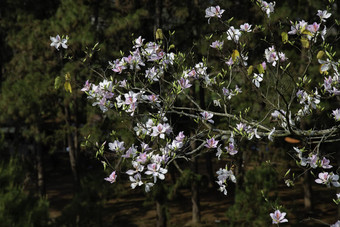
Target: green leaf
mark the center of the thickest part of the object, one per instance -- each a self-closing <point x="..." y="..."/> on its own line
<point x="250" y="70"/>
<point x="67" y="86"/>
<point x="304" y="42"/>
<point x="57" y="82"/>
<point x="159" y="34"/>
<point x="284" y="37"/>
<point x="260" y="68"/>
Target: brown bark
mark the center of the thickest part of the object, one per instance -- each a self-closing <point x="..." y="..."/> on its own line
<point x="307" y="189"/>
<point x="72" y="151"/>
<point x="161" y="207"/>
<point x="195" y="200"/>
<point x="40" y="170"/>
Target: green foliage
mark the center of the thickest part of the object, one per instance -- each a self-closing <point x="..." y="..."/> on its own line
<point x="18" y="207"/>
<point x="86" y="207"/>
<point x="250" y="207"/>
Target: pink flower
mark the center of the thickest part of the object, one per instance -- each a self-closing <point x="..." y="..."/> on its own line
<point x="313" y="28"/>
<point x="112" y="177"/>
<point x="328" y="179"/>
<point x="217" y="44"/>
<point x="278" y="217"/>
<point x="245" y="27"/>
<point x="213" y="11"/>
<point x="180" y="136"/>
<point x="86" y="87"/>
<point x="207" y="116"/>
<point x="138" y="42"/>
<point x="271" y="55"/>
<point x="325" y="163"/>
<point x="211" y="143"/>
<point x="336" y="114"/>
<point x="184" y="83"/>
<point x="231" y="149"/>
<point x="156" y="170"/>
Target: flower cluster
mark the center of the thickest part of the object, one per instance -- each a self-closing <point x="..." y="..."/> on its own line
<point x="312" y="159"/>
<point x="229" y="93"/>
<point x="309" y="102"/>
<point x="246" y="131"/>
<point x="223" y="175"/>
<point x="266" y="7"/>
<point x="328" y="179"/>
<point x="273" y="57"/>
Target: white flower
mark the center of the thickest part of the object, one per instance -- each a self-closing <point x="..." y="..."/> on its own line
<point x="156" y="170"/>
<point x="270" y="134"/>
<point x="213" y="11"/>
<point x="233" y="34"/>
<point x="328" y="179"/>
<point x="245" y="27"/>
<point x="112" y="177"/>
<point x="266" y="7"/>
<point x="57" y="41"/>
<point x="271" y="55"/>
<point x="278" y="217"/>
<point x="257" y="79"/>
<point x="323" y="15"/>
<point x="136" y="181"/>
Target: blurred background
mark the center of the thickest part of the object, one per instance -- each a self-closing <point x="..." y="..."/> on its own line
<point x="48" y="179"/>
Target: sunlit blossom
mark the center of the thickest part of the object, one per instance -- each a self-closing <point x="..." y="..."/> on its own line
<point x="57" y="42"/>
<point x="213" y="11"/>
<point x="278" y="217"/>
<point x="112" y="177"/>
<point x="323" y="14"/>
<point x="336" y="114"/>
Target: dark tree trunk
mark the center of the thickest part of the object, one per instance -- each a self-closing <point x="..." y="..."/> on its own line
<point x="40" y="169"/>
<point x="158" y="14"/>
<point x="161" y="207"/>
<point x="195" y="200"/>
<point x="72" y="151"/>
<point x="194" y="184"/>
<point x="307" y="189"/>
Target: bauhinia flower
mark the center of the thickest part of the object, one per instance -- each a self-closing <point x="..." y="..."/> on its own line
<point x="223" y="175"/>
<point x="117" y="146"/>
<point x="213" y="11"/>
<point x="217" y="44"/>
<point x="271" y="55"/>
<point x="112" y="177"/>
<point x="266" y="7"/>
<point x="336" y="114"/>
<point x="136" y="181"/>
<point x="325" y="163"/>
<point x="278" y="217"/>
<point x="156" y="170"/>
<point x="233" y="34"/>
<point x="245" y="27"/>
<point x="328" y="179"/>
<point x="323" y="15"/>
<point x="257" y="79"/>
<point x="184" y="83"/>
<point x="207" y="117"/>
<point x="57" y="42"/>
<point x="231" y="149"/>
<point x="211" y="143"/>
<point x="336" y="224"/>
